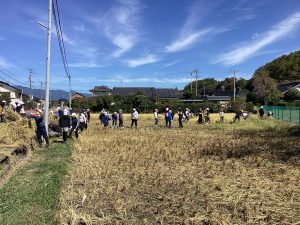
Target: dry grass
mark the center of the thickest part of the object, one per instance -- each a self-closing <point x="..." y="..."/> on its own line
<point x="246" y="173"/>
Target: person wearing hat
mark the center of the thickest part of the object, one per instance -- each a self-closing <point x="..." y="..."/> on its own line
<point x="64" y="123"/>
<point x="114" y="118"/>
<point x="180" y="117"/>
<point x="40" y="127"/>
<point x="156" y="117"/>
<point x="121" y="118"/>
<point x="74" y="125"/>
<point x="134" y="118"/>
<point x="261" y="112"/>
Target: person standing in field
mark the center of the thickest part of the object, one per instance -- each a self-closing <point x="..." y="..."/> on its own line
<point x="221" y="116"/>
<point x="114" y="118"/>
<point x="169" y="118"/>
<point x="74" y="125"/>
<point x="261" y="112"/>
<point x="187" y="115"/>
<point x="40" y="128"/>
<point x="206" y="116"/>
<point x="106" y="120"/>
<point x="134" y="118"/>
<point x="200" y="116"/>
<point x="65" y="122"/>
<point x="101" y="116"/>
<point x="156" y="117"/>
<point x="121" y="118"/>
<point x="82" y="121"/>
<point x="166" y="116"/>
<point x="180" y="117"/>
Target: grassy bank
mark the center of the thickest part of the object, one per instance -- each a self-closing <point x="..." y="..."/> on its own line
<point x="31" y="196"/>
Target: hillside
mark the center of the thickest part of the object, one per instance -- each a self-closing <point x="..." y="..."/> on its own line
<point x="285" y="68"/>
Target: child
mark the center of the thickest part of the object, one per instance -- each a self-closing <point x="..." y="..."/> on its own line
<point x="156" y="117"/>
<point x="221" y="116"/>
<point x="121" y="118"/>
<point x="114" y="117"/>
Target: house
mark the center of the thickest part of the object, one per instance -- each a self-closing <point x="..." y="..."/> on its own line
<point x="77" y="95"/>
<point x="101" y="90"/>
<point x="150" y="92"/>
<point x="291" y="85"/>
<point x="15" y="94"/>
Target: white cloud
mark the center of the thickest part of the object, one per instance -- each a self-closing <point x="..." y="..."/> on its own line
<point x="85" y="65"/>
<point x="278" y="32"/>
<point x="120" y="25"/>
<point x="4" y="63"/>
<point x="80" y="28"/>
<point x="186" y="41"/>
<point x="172" y="63"/>
<point x="142" y="61"/>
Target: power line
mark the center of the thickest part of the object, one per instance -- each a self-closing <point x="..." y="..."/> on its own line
<point x="11" y="76"/>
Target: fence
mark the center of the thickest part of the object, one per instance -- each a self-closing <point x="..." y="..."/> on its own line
<point x="284" y="113"/>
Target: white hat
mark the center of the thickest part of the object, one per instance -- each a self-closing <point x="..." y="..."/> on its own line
<point x="73" y="114"/>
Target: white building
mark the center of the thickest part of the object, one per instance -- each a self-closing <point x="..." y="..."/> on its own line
<point x="15" y="93"/>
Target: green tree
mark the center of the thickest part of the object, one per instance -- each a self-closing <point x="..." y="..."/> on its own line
<point x="292" y="95"/>
<point x="272" y="96"/>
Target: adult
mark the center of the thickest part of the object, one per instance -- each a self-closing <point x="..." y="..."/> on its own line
<point x="18" y="107"/>
<point x="40" y="128"/>
<point x="156" y="117"/>
<point x="114" y="118"/>
<point x="82" y="121"/>
<point x="101" y="116"/>
<point x="169" y="118"/>
<point x="206" y="116"/>
<point x="261" y="112"/>
<point x="65" y="123"/>
<point x="200" y="116"/>
<point x="74" y="125"/>
<point x="222" y="116"/>
<point x="134" y="117"/>
<point x="166" y="116"/>
<point x="121" y="118"/>
<point x="180" y="117"/>
<point x="106" y="119"/>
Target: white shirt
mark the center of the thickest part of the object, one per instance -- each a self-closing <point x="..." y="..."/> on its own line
<point x="156" y="115"/>
<point x="135" y="115"/>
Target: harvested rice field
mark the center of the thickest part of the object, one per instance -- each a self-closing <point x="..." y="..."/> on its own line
<point x="240" y="173"/>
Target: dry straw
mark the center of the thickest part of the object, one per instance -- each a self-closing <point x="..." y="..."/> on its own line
<point x="246" y="173"/>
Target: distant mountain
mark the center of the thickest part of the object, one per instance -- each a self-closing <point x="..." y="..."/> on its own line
<point x="54" y="94"/>
<point x="286" y="68"/>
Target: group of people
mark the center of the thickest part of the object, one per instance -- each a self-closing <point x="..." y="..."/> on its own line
<point x="16" y="107"/>
<point x="68" y="123"/>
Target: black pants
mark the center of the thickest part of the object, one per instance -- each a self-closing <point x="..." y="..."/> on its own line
<point x="76" y="133"/>
<point x="114" y="123"/>
<point x="180" y="123"/>
<point x="166" y="122"/>
<point x="41" y="132"/>
<point x="2" y="119"/>
<point x="81" y="126"/>
<point x="65" y="136"/>
<point x="200" y="119"/>
<point x="120" y="122"/>
<point x="134" y="121"/>
<point x="156" y="122"/>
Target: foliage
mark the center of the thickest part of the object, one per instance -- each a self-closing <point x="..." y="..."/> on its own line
<point x="5" y="96"/>
<point x="252" y="97"/>
<point x="272" y="96"/>
<point x="264" y="84"/>
<point x="237" y="105"/>
<point x="292" y="95"/>
<point x="249" y="106"/>
<point x="284" y="68"/>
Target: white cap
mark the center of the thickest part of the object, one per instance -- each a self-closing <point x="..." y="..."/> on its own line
<point x="73" y="114"/>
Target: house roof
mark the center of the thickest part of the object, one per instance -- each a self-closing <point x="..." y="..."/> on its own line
<point x="150" y="92"/>
<point x="284" y="87"/>
<point x="77" y="93"/>
<point x="218" y="98"/>
<point x="225" y="93"/>
<point x="101" y="89"/>
<point x="10" y="86"/>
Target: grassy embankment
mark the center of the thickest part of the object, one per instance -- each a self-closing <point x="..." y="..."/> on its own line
<point x="31" y="196"/>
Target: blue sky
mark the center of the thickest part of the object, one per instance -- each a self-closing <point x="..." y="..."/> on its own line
<point x="146" y="42"/>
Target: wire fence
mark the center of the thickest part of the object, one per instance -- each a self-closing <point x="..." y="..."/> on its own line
<point x="285" y="113"/>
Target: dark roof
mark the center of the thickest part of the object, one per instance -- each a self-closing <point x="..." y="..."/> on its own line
<point x="150" y="92"/>
<point x="101" y="89"/>
<point x="124" y="91"/>
<point x="7" y="84"/>
<point x="77" y="93"/>
<point x="218" y="98"/>
<point x="225" y="93"/>
<point x="285" y="87"/>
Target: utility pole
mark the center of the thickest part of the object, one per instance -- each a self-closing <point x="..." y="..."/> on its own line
<point x="191" y="74"/>
<point x="30" y="85"/>
<point x="70" y="93"/>
<point x="234" y="88"/>
<point x="204" y="94"/>
<point x="47" y="88"/>
<point x="196" y="71"/>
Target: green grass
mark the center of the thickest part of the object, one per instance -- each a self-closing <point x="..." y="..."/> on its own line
<point x="31" y="196"/>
